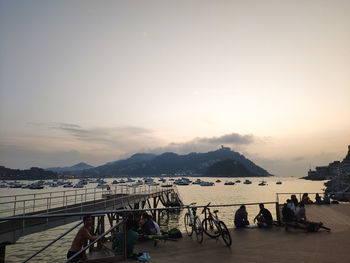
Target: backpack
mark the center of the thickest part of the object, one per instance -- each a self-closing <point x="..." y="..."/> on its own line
<point x="313" y="227"/>
<point x="174" y="233"/>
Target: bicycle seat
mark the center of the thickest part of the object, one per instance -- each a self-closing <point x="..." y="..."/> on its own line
<point x="215" y="211"/>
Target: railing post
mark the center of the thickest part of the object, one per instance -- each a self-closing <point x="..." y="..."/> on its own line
<point x="278" y="217"/>
<point x="24" y="207"/>
<point x="125" y="254"/>
<point x="75" y="197"/>
<point x="85" y="194"/>
<point x="34" y="204"/>
<point x="47" y="205"/>
<point x="14" y="206"/>
<point x="64" y="195"/>
<point x="50" y="200"/>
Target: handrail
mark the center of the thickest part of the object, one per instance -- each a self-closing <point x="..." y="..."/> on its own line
<point x="52" y="242"/>
<point x="119" y="211"/>
<point x="93" y="242"/>
<point x="61" y="191"/>
<point x="69" y="199"/>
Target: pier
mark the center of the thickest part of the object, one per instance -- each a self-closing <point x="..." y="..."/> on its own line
<point x="248" y="245"/>
<point x="25" y="214"/>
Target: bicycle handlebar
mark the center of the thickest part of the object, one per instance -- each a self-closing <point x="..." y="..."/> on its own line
<point x="206" y="207"/>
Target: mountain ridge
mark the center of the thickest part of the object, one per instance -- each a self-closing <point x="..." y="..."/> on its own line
<point x="169" y="163"/>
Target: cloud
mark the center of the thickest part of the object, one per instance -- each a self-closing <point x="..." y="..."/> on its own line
<point x="203" y="144"/>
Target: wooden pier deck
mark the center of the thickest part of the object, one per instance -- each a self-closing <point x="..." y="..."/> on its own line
<point x="261" y="245"/>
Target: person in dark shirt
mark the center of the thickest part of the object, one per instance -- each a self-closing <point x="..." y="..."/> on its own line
<point x="264" y="217"/>
<point x="147" y="225"/>
<point x="241" y="217"/>
<point x="287" y="213"/>
<point x="294" y="200"/>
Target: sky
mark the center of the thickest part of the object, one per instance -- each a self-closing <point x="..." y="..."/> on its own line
<point x="97" y="81"/>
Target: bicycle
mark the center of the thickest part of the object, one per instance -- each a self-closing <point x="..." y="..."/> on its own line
<point x="215" y="228"/>
<point x="193" y="223"/>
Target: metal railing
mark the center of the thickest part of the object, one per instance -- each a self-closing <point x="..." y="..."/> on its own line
<point x="96" y="240"/>
<point x="44" y="202"/>
<point x="52" y="242"/>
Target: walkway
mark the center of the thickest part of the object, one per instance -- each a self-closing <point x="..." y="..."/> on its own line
<point x="260" y="245"/>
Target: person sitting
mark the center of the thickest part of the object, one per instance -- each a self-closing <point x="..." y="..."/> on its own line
<point x="81" y="239"/>
<point x="264" y="217"/>
<point x="300" y="214"/>
<point x="241" y="217"/>
<point x="318" y="199"/>
<point x="158" y="232"/>
<point x="287" y="213"/>
<point x="327" y="199"/>
<point x="306" y="199"/>
<point x="147" y="226"/>
<point x="131" y="239"/>
<point x="294" y="200"/>
<point x="291" y="206"/>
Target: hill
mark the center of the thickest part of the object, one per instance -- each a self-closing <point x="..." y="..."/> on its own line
<point x="77" y="167"/>
<point x="144" y="164"/>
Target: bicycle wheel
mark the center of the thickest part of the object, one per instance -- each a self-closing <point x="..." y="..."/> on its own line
<point x="225" y="233"/>
<point x="198" y="229"/>
<point x="211" y="229"/>
<point x="188" y="225"/>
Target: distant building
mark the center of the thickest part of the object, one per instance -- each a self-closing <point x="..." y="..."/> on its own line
<point x="334" y="169"/>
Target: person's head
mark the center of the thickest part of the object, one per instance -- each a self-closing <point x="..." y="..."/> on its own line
<point x="289" y="201"/>
<point x="242" y="207"/>
<point x="145" y="216"/>
<point x="87" y="220"/>
<point x="261" y="206"/>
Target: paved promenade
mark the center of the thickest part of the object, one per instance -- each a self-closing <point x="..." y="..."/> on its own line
<point x="265" y="245"/>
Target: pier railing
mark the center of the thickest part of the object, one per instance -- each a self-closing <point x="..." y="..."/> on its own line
<point x="61" y="200"/>
<point x="52" y="242"/>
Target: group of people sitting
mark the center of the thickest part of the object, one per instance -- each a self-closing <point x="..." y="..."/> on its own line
<point x="318" y="200"/>
<point x="263" y="218"/>
<point x="134" y="230"/>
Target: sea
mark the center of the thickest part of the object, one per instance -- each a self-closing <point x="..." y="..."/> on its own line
<point x="218" y="194"/>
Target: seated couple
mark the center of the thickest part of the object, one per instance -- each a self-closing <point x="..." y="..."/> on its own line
<point x="264" y="217"/>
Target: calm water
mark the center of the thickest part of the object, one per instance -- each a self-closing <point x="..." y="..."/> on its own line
<point x="217" y="194"/>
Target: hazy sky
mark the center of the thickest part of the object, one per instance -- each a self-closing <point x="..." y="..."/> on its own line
<point x="96" y="81"/>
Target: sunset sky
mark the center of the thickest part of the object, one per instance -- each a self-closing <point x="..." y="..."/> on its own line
<point x="96" y="81"/>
